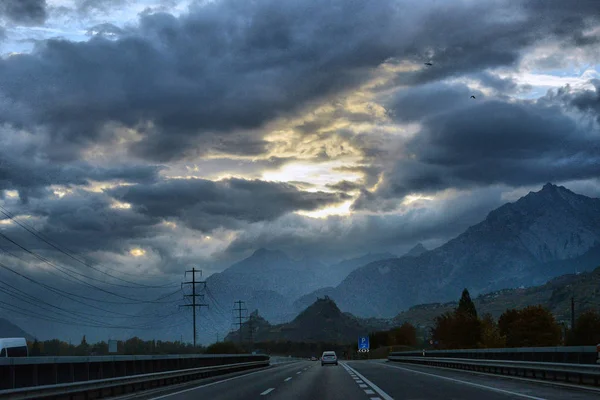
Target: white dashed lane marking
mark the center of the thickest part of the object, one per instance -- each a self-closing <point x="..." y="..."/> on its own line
<point x="266" y="392"/>
<point x="287" y="379"/>
<point x="363" y="382"/>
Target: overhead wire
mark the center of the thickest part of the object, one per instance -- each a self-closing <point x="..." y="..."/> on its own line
<point x="43" y="259"/>
<point x="19" y="294"/>
<point x="64" y="293"/>
<point x="68" y="252"/>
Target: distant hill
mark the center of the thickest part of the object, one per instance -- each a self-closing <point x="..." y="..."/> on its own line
<point x="10" y="330"/>
<point x="323" y="321"/>
<point x="542" y="235"/>
<point x="554" y="295"/>
<point x="270" y="280"/>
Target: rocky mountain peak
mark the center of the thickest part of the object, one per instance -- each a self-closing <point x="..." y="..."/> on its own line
<point x="416" y="251"/>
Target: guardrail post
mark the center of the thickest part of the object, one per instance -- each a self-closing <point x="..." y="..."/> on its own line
<point x="598" y="351"/>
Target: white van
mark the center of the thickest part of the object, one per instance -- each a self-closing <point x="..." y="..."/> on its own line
<point x="13" y="347"/>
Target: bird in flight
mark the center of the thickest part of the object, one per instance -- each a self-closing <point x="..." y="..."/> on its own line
<point x="472" y="96"/>
<point x="428" y="64"/>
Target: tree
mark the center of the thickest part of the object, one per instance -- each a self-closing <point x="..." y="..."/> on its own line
<point x="405" y="335"/>
<point x="466" y="305"/>
<point x="587" y="330"/>
<point x="444" y="331"/>
<point x="532" y="326"/>
<point x="36" y="349"/>
<point x="490" y="333"/>
<point x="223" y="348"/>
<point x="83" y="348"/>
<point x="459" y="329"/>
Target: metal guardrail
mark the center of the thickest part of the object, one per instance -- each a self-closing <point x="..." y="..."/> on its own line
<point x="115" y="386"/>
<point x="24" y="372"/>
<point x="582" y="374"/>
<point x="564" y="354"/>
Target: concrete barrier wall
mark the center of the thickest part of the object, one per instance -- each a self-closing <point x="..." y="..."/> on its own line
<point x="35" y="371"/>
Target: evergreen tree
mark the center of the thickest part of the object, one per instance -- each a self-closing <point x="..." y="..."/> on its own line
<point x="466" y="305"/>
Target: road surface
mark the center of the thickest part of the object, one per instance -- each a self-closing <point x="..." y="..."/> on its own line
<point x="370" y="380"/>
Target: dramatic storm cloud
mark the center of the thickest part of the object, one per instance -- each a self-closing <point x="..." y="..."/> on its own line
<point x="206" y="205"/>
<point x="24" y="12"/>
<point x="152" y="136"/>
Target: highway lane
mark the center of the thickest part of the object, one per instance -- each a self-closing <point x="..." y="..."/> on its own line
<point x="370" y="380"/>
<point x="301" y="380"/>
<point x="410" y="382"/>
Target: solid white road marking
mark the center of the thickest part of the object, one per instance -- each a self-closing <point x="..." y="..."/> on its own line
<point x="380" y="392"/>
<point x="369" y="391"/>
<point x="375" y="398"/>
<point x="208" y="384"/>
<point x="525" y="396"/>
<point x="363" y="386"/>
<point x="287" y="379"/>
<point x="266" y="392"/>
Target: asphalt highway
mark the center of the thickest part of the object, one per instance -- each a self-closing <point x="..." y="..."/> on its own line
<point x="371" y="380"/>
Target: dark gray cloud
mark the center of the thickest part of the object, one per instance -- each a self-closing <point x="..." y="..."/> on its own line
<point x="23" y="168"/>
<point x="85" y="6"/>
<point x="416" y="103"/>
<point x="201" y="73"/>
<point x="106" y="30"/>
<point x="24" y="12"/>
<point x="2" y="34"/>
<point x="207" y="205"/>
<point x="488" y="142"/>
<point x="586" y="101"/>
<point x="345" y="186"/>
<point x="468" y="40"/>
<point x="358" y="234"/>
<point x="233" y="65"/>
<point x="84" y="223"/>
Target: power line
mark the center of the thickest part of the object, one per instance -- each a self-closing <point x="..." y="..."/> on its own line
<point x="19" y="294"/>
<point x="134" y="301"/>
<point x="68" y="295"/>
<point x="193" y="296"/>
<point x="67" y="252"/>
<point x="43" y="259"/>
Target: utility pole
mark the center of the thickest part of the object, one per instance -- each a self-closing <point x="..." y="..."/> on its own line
<point x="251" y="330"/>
<point x="193" y="296"/>
<point x="239" y="309"/>
<point x="572" y="313"/>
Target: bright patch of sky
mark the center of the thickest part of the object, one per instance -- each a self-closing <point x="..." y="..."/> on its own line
<point x="64" y="22"/>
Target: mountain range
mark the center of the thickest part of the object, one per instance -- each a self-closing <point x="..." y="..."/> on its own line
<point x="555" y="295"/>
<point x="10" y="330"/>
<point x="321" y="322"/>
<point x="269" y="280"/>
<point x="542" y="235"/>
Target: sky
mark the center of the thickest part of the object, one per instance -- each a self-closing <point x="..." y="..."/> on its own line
<point x="154" y="136"/>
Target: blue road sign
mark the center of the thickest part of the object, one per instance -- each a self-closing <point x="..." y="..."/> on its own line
<point x="363" y="342"/>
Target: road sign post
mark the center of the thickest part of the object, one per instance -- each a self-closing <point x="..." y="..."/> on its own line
<point x="363" y="344"/>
